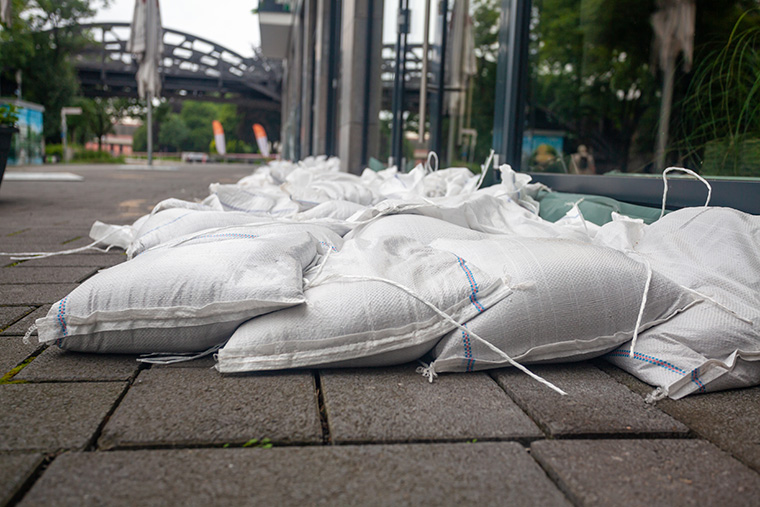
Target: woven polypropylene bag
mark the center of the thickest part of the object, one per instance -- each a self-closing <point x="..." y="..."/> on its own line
<point x="716" y="344"/>
<point x="175" y="222"/>
<point x="183" y="299"/>
<point x="367" y="321"/>
<point x="571" y="301"/>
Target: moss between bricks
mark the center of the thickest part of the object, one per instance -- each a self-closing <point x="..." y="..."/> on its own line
<point x="71" y="240"/>
<point x="18" y="232"/>
<point x="8" y="376"/>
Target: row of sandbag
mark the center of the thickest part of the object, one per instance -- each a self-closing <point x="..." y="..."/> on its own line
<point x="472" y="278"/>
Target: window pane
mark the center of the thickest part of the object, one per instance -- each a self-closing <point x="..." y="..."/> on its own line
<point x="612" y="80"/>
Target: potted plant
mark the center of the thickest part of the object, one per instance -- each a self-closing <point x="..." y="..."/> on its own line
<point x="8" y="119"/>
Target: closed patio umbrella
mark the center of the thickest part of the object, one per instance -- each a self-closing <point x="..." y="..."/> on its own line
<point x="146" y="42"/>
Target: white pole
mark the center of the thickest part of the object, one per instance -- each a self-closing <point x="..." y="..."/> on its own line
<point x="63" y="135"/>
<point x="150" y="128"/>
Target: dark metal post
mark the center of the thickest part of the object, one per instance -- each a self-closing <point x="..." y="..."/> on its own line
<point x="367" y="84"/>
<point x="331" y="147"/>
<point x="511" y="81"/>
<point x="397" y="130"/>
<point x="438" y="65"/>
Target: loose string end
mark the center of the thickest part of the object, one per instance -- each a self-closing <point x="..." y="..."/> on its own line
<point x="27" y="337"/>
<point x="427" y="371"/>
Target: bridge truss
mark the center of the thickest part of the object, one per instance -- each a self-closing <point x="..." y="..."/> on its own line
<point x="192" y="67"/>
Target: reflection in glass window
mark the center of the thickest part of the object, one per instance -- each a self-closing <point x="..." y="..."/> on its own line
<point x="633" y="86"/>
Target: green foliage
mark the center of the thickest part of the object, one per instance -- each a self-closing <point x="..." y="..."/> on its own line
<point x="590" y="71"/>
<point x="198" y="117"/>
<point x="173" y="132"/>
<point x="99" y="115"/>
<point x="82" y="155"/>
<point x="720" y="112"/>
<point x="140" y="138"/>
<point x="54" y="150"/>
<point x="264" y="443"/>
<point x="39" y="41"/>
<point x="8" y="114"/>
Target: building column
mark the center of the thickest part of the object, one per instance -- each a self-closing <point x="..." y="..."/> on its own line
<point x="361" y="87"/>
<point x="308" y="39"/>
<point x="323" y="53"/>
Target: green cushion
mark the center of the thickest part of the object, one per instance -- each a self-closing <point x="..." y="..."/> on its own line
<point x="595" y="208"/>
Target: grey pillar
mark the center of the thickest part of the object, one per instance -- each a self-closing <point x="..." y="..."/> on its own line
<point x="307" y="76"/>
<point x="321" y="73"/>
<point x="359" y="125"/>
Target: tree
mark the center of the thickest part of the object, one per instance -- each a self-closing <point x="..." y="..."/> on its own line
<point x="39" y="41"/>
<point x="173" y="132"/>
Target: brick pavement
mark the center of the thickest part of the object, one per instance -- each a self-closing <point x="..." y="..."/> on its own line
<point x="81" y="429"/>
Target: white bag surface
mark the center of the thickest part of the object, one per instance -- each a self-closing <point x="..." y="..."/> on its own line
<point x="715" y="344"/>
<point x="183" y="299"/>
<point x="363" y="321"/>
<point x="255" y="201"/>
<point x="571" y="301"/>
<point x="173" y="223"/>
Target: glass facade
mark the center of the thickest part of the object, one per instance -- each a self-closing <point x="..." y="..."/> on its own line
<point x="563" y="89"/>
<point x="631" y="86"/>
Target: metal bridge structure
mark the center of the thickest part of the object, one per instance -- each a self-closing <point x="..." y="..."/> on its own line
<point x="191" y="68"/>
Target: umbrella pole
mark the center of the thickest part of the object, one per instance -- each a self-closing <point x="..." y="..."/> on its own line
<point x="150" y="128"/>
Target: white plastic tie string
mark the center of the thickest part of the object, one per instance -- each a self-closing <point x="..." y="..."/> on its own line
<point x="428" y="165"/>
<point x="449" y="319"/>
<point x="26" y="256"/>
<point x="687" y="171"/>
<point x="427" y="371"/>
<point x="28" y="334"/>
<point x="641" y="309"/>
<point x="161" y="358"/>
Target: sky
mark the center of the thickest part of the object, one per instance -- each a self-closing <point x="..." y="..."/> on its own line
<point x="229" y="23"/>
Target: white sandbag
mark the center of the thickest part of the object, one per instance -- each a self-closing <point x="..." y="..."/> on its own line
<point x="183" y="299"/>
<point x="350" y="319"/>
<point x="255" y="201"/>
<point x="317" y="192"/>
<point x="451" y="181"/>
<point x="210" y="203"/>
<point x="176" y="222"/>
<point x="479" y="211"/>
<point x="325" y="239"/>
<point x="571" y="301"/>
<point x="403" y="186"/>
<point x="716" y="344"/>
<point x="335" y="209"/>
<point x="417" y="227"/>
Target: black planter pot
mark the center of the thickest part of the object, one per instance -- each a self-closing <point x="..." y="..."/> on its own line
<point x="6" y="133"/>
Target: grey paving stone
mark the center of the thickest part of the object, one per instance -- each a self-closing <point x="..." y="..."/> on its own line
<point x="12" y="352"/>
<point x="55" y="364"/>
<point x="399" y="405"/>
<point x="49" y="417"/>
<point x="15" y="470"/>
<point x="647" y="472"/>
<point x="10" y="314"/>
<point x="432" y="474"/>
<point x="96" y="260"/>
<point x="22" y="326"/>
<point x="36" y="294"/>
<point x="595" y="405"/>
<point x="190" y="406"/>
<point x="727" y="418"/>
<point x="37" y="274"/>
